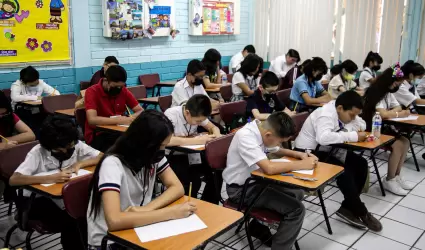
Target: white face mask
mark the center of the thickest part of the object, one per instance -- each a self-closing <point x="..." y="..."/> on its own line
<point x="417" y="81"/>
<point x="33" y="88"/>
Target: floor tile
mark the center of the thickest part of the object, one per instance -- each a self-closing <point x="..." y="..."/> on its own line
<point x="375" y="191"/>
<point x="330" y="205"/>
<point x="413" y="175"/>
<point x="421" y="243"/>
<point x="413" y="202"/>
<point x="399" y="232"/>
<point x="311" y="220"/>
<point x="376" y="206"/>
<point x="342" y="232"/>
<point x="407" y="216"/>
<point x="314" y="242"/>
<point x="371" y="241"/>
<point x="302" y="233"/>
<point x="419" y="190"/>
<point x="338" y="197"/>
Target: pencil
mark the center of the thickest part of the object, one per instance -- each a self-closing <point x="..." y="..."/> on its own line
<point x="190" y="190"/>
<point x="53" y="91"/>
<point x="295" y="108"/>
<point x="128" y="110"/>
<point x="4" y="138"/>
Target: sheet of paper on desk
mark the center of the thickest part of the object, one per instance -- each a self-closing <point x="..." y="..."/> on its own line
<point x="169" y="228"/>
<point x="193" y="146"/>
<point x="409" y="118"/>
<point x="308" y="172"/>
<point x="81" y="172"/>
<point x="122" y="125"/>
<point x="420" y="105"/>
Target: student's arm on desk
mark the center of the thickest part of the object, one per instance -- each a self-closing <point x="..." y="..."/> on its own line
<point x="25" y="133"/>
<point x="272" y="168"/>
<point x="215" y="105"/>
<point x="322" y="99"/>
<point x="419" y="101"/>
<point x="86" y="163"/>
<point x="388" y="114"/>
<point x="211" y="127"/>
<point x="325" y="136"/>
<point x="181" y="141"/>
<point x="245" y="89"/>
<point x="137" y="110"/>
<point x="93" y="119"/>
<point x="209" y="85"/>
<point x="16" y="96"/>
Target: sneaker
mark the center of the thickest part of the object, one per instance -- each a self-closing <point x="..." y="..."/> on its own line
<point x="393" y="187"/>
<point x="403" y="183"/>
<point x="371" y="222"/>
<point x="261" y="232"/>
<point x="350" y="218"/>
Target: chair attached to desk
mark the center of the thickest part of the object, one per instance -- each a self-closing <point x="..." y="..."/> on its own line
<point x="231" y="112"/>
<point x="58" y="102"/>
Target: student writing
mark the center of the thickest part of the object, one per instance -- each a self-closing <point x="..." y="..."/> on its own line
<point x="344" y="80"/>
<point x="292" y="75"/>
<point x="213" y="74"/>
<point x="371" y="66"/>
<point x="235" y="61"/>
<point x="246" y="80"/>
<point x="408" y="95"/>
<point x="282" y="64"/>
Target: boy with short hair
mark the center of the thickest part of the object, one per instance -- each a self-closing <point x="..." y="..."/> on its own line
<point x="264" y="100"/>
<point x="235" y="61"/>
<point x="338" y="122"/>
<point x="106" y="102"/>
<point x="109" y="61"/>
<point x="247" y="152"/>
<point x="59" y="149"/>
<point x="186" y="120"/>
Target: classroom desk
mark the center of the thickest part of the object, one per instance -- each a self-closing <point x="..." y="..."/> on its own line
<point x="148" y="101"/>
<point x="324" y="173"/>
<point x="182" y="149"/>
<point x="213" y="91"/>
<point x="66" y="112"/>
<point x="31" y="103"/>
<point x="53" y="191"/>
<point x="164" y="84"/>
<point x="111" y="128"/>
<point x="373" y="147"/>
<point x="217" y="218"/>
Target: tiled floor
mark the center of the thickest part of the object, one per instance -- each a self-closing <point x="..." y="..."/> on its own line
<point x="403" y="219"/>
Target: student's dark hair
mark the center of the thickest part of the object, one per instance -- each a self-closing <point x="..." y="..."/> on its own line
<point x="411" y="67"/>
<point x="316" y="63"/>
<point x="250" y="64"/>
<point x="349" y="66"/>
<point x="58" y="132"/>
<point x="375" y="93"/>
<point x="336" y="69"/>
<point x="349" y="100"/>
<point x="194" y="67"/>
<point x="282" y="124"/>
<point x="372" y="57"/>
<point x="111" y="59"/>
<point x="116" y="73"/>
<point x="305" y="63"/>
<point x="269" y="79"/>
<point x="250" y="49"/>
<point x="294" y="53"/>
<point x="29" y="74"/>
<point x="7" y="121"/>
<point x="211" y="57"/>
<point x="136" y="149"/>
<point x="199" y="105"/>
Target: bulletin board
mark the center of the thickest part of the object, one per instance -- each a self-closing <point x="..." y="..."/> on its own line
<point x="137" y="19"/>
<point x="34" y="31"/>
<point x="214" y="17"/>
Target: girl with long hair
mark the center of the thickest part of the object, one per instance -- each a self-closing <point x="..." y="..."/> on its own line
<point x="213" y="73"/>
<point x="408" y="95"/>
<point x="371" y="65"/>
<point x="246" y="80"/>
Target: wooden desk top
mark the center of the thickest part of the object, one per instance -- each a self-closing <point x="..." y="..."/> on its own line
<point x="167" y="84"/>
<point x="215" y="112"/>
<point x="323" y="172"/>
<point x="83" y="92"/>
<point x="217" y="219"/>
<point x="384" y="139"/>
<point x="149" y="100"/>
<point x="418" y="122"/>
<point x="32" y="103"/>
<point x="67" y="112"/>
<point x="114" y="128"/>
<point x="54" y="190"/>
<point x="215" y="90"/>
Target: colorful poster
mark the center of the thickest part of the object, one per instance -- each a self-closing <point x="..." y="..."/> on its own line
<point x="159" y="17"/>
<point x="34" y="31"/>
<point x="125" y="18"/>
<point x="217" y="18"/>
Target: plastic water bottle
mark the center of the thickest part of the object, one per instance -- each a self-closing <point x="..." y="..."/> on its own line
<point x="224" y="79"/>
<point x="376" y="125"/>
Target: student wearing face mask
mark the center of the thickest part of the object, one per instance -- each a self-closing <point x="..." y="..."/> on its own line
<point x="246" y="80"/>
<point x="408" y="95"/>
<point x="60" y="151"/>
<point x="379" y="97"/>
<point x="344" y="81"/>
<point x="191" y="85"/>
<point x="307" y="89"/>
<point x="282" y="64"/>
<point x="11" y="127"/>
<point x="371" y="66"/>
<point x="264" y="100"/>
<point x="106" y="104"/>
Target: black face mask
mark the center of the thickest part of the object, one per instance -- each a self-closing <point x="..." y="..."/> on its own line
<point x="158" y="156"/>
<point x="114" y="91"/>
<point x="268" y="96"/>
<point x="61" y="156"/>
<point x="198" y="82"/>
<point x="394" y="89"/>
<point x="376" y="68"/>
<point x="318" y="77"/>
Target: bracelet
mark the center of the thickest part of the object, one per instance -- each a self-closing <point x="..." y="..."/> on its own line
<point x="396" y="113"/>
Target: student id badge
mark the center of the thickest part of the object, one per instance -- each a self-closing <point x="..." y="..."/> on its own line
<point x="194" y="159"/>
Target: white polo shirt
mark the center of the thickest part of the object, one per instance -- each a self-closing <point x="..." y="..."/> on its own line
<point x="235" y="62"/>
<point x="131" y="186"/>
<point x="337" y="82"/>
<point x="182" y="92"/>
<point x="323" y="127"/>
<point x="404" y="96"/>
<point x="365" y="76"/>
<point x="181" y="127"/>
<point x="280" y="67"/>
<point x="421" y="87"/>
<point x="249" y="80"/>
<point x="388" y="102"/>
<point x="246" y="149"/>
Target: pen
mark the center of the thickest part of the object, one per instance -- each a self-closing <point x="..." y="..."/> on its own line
<point x="4" y="138"/>
<point x="295" y="108"/>
<point x="53" y="91"/>
<point x="128" y="110"/>
<point x="190" y="190"/>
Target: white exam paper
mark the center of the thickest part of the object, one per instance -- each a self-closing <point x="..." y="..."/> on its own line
<point x="194" y="146"/>
<point x="409" y="118"/>
<point x="81" y="172"/>
<point x="308" y="172"/>
<point x="169" y="228"/>
<point x="122" y="125"/>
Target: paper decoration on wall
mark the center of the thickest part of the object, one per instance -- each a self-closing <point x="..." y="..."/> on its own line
<point x="30" y="30"/>
<point x="160" y="17"/>
<point x="174" y="32"/>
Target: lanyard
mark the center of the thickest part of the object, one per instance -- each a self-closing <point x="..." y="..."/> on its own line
<point x="341" y="126"/>
<point x="185" y="125"/>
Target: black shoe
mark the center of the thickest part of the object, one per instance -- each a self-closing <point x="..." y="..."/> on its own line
<point x="261" y="232"/>
<point x="423" y="156"/>
<point x="371" y="222"/>
<point x="350" y="218"/>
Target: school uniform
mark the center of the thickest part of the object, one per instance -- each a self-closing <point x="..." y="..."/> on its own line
<point x="323" y="128"/>
<point x="190" y="167"/>
<point x="301" y="86"/>
<point x="106" y="106"/>
<point x="327" y="76"/>
<point x="135" y="189"/>
<point x="365" y="76"/>
<point x="100" y="74"/>
<point x="235" y="62"/>
<point x="182" y="92"/>
<point x="421" y="87"/>
<point x="250" y="81"/>
<point x="265" y="104"/>
<point x="337" y="82"/>
<point x="388" y="102"/>
<point x="289" y="79"/>
<point x="407" y="94"/>
<point x="246" y="149"/>
<point x="39" y="160"/>
<point x="280" y="67"/>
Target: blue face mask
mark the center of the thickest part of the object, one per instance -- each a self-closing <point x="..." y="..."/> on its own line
<point x="33" y="88"/>
<point x="417" y="81"/>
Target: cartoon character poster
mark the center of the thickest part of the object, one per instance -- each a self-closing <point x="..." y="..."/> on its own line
<point x="160" y="16"/>
<point x="217" y="18"/>
<point x="34" y="31"/>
